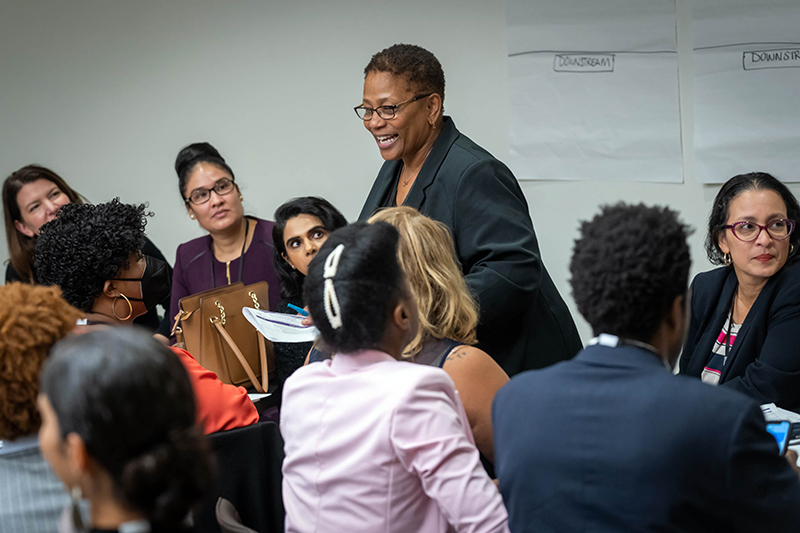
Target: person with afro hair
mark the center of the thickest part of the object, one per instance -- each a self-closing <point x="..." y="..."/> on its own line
<point x="32" y="319"/>
<point x="93" y="253"/>
<point x="612" y="440"/>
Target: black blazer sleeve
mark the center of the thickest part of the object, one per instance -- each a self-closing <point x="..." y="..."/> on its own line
<point x="495" y="241"/>
<point x="773" y="374"/>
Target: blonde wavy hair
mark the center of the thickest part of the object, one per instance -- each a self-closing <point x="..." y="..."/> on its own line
<point x="428" y="257"/>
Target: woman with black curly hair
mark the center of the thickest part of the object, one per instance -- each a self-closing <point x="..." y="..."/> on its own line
<point x="302" y="226"/>
<point x="744" y="332"/>
<point x="118" y="428"/>
<point x="32" y="196"/>
<point x="93" y="253"/>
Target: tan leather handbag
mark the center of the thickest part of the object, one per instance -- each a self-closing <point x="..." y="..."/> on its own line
<point x="220" y="338"/>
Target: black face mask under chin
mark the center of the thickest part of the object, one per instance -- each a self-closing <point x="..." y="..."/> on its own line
<point x="156" y="282"/>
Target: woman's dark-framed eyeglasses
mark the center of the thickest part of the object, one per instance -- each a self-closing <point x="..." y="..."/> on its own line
<point x="202" y="195"/>
<point x="747" y="231"/>
<point x="386" y="112"/>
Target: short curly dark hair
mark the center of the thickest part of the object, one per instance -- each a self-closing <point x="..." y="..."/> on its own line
<point x="417" y="66"/>
<point x="86" y="245"/>
<point x="628" y="266"/>
<point x="753" y="181"/>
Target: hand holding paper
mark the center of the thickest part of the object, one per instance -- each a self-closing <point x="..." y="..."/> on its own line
<point x="280" y="327"/>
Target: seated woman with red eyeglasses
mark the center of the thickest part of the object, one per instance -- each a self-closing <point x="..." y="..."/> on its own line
<point x="745" y="316"/>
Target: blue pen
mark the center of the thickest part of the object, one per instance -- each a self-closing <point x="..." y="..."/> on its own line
<point x="299" y="309"/>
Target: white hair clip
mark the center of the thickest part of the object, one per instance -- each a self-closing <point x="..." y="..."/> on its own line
<point x="330" y="299"/>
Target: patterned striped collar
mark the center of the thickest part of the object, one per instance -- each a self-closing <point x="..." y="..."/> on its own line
<point x="22" y="444"/>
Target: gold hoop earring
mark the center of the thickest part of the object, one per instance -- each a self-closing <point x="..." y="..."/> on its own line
<point x="727" y="260"/>
<point x="114" y="308"/>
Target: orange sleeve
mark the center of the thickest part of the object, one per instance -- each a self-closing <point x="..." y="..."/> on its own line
<point x="219" y="406"/>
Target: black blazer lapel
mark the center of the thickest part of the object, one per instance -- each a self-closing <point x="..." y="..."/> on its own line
<point x="380" y="189"/>
<point x="449" y="134"/>
<point x="713" y="326"/>
<point x="754" y="316"/>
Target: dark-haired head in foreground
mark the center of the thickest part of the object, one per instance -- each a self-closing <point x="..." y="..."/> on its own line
<point x="630" y="272"/>
<point x="118" y="421"/>
<point x="357" y="293"/>
<point x="310" y="220"/>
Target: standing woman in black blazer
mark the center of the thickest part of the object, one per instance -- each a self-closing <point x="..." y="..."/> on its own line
<point x="432" y="167"/>
<point x="745" y="326"/>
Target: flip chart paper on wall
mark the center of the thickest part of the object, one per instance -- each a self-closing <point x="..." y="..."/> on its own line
<point x="746" y="88"/>
<point x="593" y="89"/>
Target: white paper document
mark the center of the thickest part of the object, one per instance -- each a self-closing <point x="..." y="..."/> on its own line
<point x="746" y="78"/>
<point x="257" y="397"/>
<point x="280" y="327"/>
<point x="593" y="90"/>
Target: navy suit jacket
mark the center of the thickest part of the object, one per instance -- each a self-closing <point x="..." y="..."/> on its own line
<point x="764" y="361"/>
<point x="612" y="441"/>
<point x="524" y="322"/>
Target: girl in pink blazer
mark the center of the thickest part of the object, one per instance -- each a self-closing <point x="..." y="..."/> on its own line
<point x="374" y="443"/>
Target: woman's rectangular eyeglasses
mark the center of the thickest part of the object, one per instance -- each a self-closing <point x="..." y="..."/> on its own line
<point x="747" y="231"/>
<point x="386" y="112"/>
<point x="202" y="195"/>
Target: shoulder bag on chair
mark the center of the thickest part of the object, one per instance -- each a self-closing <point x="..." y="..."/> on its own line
<point x="220" y="338"/>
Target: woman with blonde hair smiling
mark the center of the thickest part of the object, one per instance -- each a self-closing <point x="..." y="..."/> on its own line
<point x="448" y="317"/>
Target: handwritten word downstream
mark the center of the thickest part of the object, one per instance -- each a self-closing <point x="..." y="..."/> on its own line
<point x="583" y="63"/>
<point x="761" y="59"/>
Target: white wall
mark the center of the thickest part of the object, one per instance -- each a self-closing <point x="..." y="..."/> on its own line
<point x="106" y="93"/>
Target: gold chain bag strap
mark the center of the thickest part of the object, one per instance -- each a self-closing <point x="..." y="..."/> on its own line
<point x="220" y="338"/>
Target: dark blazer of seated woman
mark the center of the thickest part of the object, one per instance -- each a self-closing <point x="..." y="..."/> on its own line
<point x="764" y="362"/>
<point x="744" y="331"/>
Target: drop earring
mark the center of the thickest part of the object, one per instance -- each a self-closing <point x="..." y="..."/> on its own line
<point x="75" y="496"/>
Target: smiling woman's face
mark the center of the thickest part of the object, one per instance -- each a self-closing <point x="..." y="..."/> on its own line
<point x="403" y="136"/>
<point x="219" y="213"/>
<point x="38" y="202"/>
<point x="303" y="236"/>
